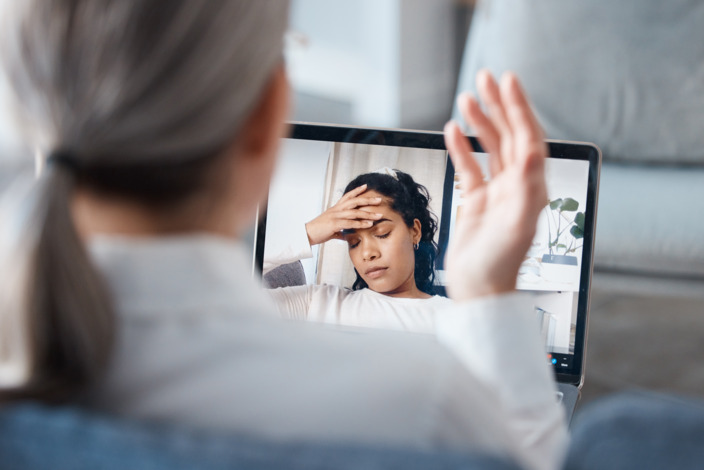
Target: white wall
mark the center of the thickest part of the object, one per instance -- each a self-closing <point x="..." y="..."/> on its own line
<point x="296" y="195"/>
<point x="11" y="148"/>
<point x="392" y="60"/>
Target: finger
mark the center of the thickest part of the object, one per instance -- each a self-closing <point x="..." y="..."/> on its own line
<point x="519" y="110"/>
<point x="486" y="132"/>
<point x="354" y="224"/>
<point x="491" y="95"/>
<point x="529" y="136"/>
<point x="371" y="209"/>
<point x="359" y="214"/>
<point x="461" y="155"/>
<point x="353" y="193"/>
<point x="362" y="201"/>
<point x="495" y="165"/>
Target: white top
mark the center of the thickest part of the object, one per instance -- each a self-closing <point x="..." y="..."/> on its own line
<point x="198" y="345"/>
<point x="366" y="308"/>
<point x="341" y="306"/>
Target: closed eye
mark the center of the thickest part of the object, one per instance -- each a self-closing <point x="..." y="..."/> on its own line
<point x="353" y="243"/>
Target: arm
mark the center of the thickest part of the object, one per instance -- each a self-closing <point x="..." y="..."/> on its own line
<point x="492" y="331"/>
<point x="352" y="211"/>
<point x="292" y="302"/>
<point x="497" y="340"/>
<point x="298" y="248"/>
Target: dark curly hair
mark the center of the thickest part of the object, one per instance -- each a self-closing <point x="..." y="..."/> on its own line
<point x="410" y="200"/>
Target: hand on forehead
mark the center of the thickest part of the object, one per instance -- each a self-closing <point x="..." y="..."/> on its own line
<point x="383" y="201"/>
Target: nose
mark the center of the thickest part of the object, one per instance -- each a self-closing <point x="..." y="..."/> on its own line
<point x="370" y="251"/>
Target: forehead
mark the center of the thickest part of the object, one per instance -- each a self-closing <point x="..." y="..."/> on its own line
<point x="389" y="216"/>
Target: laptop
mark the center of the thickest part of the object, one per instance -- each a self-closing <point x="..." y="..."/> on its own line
<point x="317" y="162"/>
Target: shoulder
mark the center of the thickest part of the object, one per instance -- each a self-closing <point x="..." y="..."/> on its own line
<point x="440" y="301"/>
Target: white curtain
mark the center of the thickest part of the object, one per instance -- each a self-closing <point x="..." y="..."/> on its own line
<point x="347" y="161"/>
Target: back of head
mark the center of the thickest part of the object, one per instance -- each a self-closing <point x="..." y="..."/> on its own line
<point x="133" y="98"/>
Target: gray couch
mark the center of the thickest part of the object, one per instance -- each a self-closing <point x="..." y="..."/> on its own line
<point x="628" y="76"/>
<point x="291" y="274"/>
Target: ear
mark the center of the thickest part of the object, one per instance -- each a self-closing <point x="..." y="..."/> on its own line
<point x="251" y="157"/>
<point x="416" y="231"/>
<point x="266" y="124"/>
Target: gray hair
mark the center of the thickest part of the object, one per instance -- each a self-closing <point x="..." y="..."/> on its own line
<point x="122" y="85"/>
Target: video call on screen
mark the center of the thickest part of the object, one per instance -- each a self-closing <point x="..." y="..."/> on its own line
<point x="312" y="175"/>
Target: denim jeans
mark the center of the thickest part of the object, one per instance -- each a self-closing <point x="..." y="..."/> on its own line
<point x="36" y="437"/>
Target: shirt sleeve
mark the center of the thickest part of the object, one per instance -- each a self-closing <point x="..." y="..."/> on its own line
<point x="292" y="302"/>
<point x="498" y="340"/>
<point x="297" y="249"/>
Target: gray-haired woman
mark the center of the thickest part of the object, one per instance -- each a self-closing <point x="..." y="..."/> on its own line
<point x="123" y="284"/>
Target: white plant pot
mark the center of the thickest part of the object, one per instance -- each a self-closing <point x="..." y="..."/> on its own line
<point x="560" y="269"/>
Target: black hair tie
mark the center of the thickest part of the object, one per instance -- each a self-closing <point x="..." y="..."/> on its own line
<point x="63" y="159"/>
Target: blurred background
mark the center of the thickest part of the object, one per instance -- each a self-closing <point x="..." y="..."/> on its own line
<point x="378" y="63"/>
<point x="11" y="147"/>
<point x="386" y="63"/>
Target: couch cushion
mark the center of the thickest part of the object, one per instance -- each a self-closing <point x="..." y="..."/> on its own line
<point x="650" y="220"/>
<point x="39" y="438"/>
<point x="638" y="431"/>
<point x="627" y="74"/>
<point x="291" y="274"/>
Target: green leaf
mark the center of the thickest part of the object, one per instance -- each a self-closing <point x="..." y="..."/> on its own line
<point x="569" y="205"/>
<point x="577" y="232"/>
<point x="579" y="220"/>
<point x="562" y="245"/>
<point x="555" y="204"/>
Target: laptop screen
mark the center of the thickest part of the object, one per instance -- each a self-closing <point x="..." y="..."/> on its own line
<point x="317" y="162"/>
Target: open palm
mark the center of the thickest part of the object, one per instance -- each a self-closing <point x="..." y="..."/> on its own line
<point x="497" y="218"/>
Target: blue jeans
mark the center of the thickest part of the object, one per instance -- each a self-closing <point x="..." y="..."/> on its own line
<point x="41" y="438"/>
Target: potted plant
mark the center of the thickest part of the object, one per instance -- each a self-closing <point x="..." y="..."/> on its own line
<point x="566" y="234"/>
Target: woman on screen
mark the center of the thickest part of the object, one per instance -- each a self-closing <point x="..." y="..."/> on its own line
<point x="389" y="229"/>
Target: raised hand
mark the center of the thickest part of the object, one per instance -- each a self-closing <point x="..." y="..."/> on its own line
<point x="352" y="211"/>
<point x="497" y="219"/>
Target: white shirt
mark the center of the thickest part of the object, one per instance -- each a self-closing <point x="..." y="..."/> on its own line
<point x="365" y="308"/>
<point x="340" y="306"/>
<point x="198" y="345"/>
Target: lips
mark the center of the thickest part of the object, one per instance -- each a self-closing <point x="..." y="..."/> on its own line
<point x="375" y="272"/>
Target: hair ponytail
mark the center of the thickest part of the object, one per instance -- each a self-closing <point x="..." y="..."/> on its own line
<point x="56" y="318"/>
<point x="411" y="200"/>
